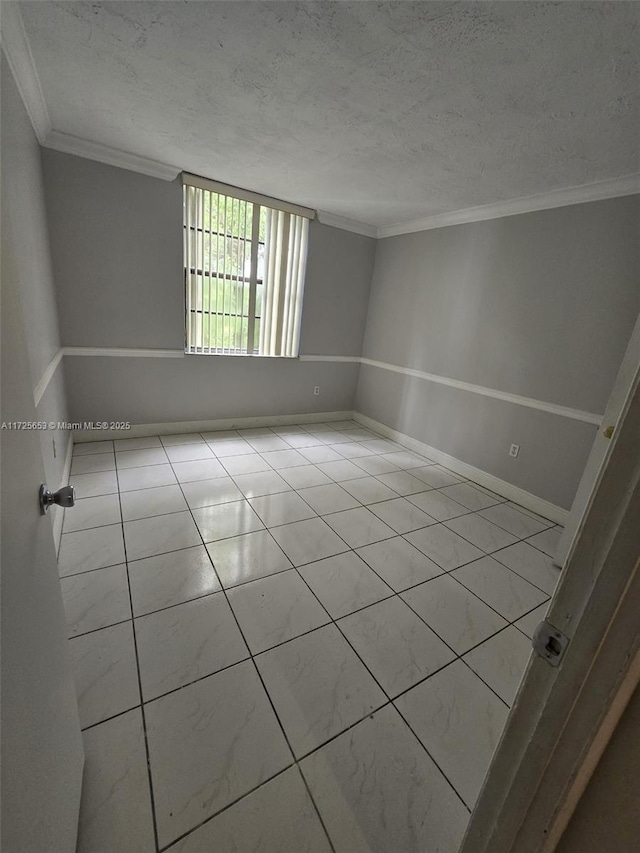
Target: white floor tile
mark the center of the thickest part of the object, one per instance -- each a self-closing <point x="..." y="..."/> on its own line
<point x="500" y="588"/>
<point x="92" y="512"/>
<point x="225" y="520"/>
<point x="444" y="547"/>
<point x="359" y="527"/>
<point x="137" y="443"/>
<point x="281" y="508"/>
<point x="158" y="535"/>
<point x="381" y="445"/>
<point x="334" y="436"/>
<point x="89" y="448"/>
<point x="459" y="721"/>
<point x="169" y="579"/>
<point x="115" y="804"/>
<point x="284" y="458"/>
<point x="368" y="490"/>
<point x="181" y="438"/>
<point x="209" y="744"/>
<point x="329" y="498"/>
<point x="104" y="670"/>
<point x="511" y="519"/>
<point x="437" y="505"/>
<point x="403" y="482"/>
<point x="184" y="643"/>
<point x="220" y="435"/>
<point x="211" y="492"/>
<point x="200" y="469"/>
<point x="93" y="464"/>
<point x="403" y="459"/>
<point x="249" y="463"/>
<point x="530" y="564"/>
<point x="340" y="471"/>
<point x="306" y="541"/>
<point x="397" y="647"/>
<point x="146" y="478"/>
<point x="266" y="443"/>
<point x="470" y="496"/>
<point x="454" y="613"/>
<point x="275" y="609"/>
<point x="399" y="563"/>
<point x="305" y="476"/>
<point x="90" y="549"/>
<point x="353" y="450"/>
<point x="96" y="599"/>
<point x="139" y="458"/>
<point x="319" y="453"/>
<point x="480" y="532"/>
<point x="529" y="622"/>
<point x="145" y="503"/>
<point x="303" y="441"/>
<point x="344" y="583"/>
<point x="230" y="447"/>
<point x="276" y="818"/>
<point x="245" y="558"/>
<point x="435" y="476"/>
<point x="547" y="541"/>
<point x="261" y="483"/>
<point x="376" y="465"/>
<point x="402" y="515"/>
<point x="189" y="452"/>
<point x="409" y="805"/>
<point x="318" y="686"/>
<point x="501" y="661"/>
<point x="91" y="485"/>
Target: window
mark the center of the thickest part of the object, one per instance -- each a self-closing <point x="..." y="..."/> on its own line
<point x="244" y="266"/>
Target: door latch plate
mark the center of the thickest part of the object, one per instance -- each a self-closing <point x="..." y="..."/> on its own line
<point x="549" y="643"/>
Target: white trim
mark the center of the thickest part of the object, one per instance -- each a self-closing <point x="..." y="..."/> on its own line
<point x="614" y="188"/>
<point x="18" y="52"/>
<point x="68" y="144"/>
<point x="345" y="224"/>
<point x="517" y="399"/>
<point x="47" y="376"/>
<point x="58" y="518"/>
<point x="118" y="352"/>
<point x="513" y="493"/>
<point x="353" y="359"/>
<point x="178" y="427"/>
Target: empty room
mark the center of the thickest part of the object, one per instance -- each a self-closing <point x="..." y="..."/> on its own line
<point x="320" y="426"/>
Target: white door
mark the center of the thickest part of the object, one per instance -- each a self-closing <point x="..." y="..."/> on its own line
<point x="42" y="756"/>
<point x="599" y="455"/>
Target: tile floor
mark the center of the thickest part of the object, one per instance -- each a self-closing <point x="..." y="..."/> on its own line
<point x="304" y="638"/>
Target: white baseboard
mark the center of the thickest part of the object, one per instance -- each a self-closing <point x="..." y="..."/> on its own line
<point x="175" y="427"/>
<point x="501" y="487"/>
<point x="64" y="481"/>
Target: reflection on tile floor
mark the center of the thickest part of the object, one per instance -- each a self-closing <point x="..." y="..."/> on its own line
<point x="303" y="638"/>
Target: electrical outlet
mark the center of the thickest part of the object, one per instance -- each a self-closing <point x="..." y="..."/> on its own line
<point x="316" y="390"/>
<point x="514" y="450"/>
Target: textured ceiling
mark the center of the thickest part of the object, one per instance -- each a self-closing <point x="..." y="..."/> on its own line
<point x="380" y="112"/>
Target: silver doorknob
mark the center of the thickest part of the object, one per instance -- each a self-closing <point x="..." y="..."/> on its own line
<point x="66" y="496"/>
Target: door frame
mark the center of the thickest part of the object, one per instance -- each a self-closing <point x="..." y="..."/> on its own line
<point x="530" y="790"/>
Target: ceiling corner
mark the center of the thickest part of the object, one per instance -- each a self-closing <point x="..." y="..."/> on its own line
<point x="17" y="50"/>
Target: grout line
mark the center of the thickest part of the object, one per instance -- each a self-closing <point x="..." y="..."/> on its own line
<point x="142" y="708"/>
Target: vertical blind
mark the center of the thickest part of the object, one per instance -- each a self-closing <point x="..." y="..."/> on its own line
<point x="244" y="263"/>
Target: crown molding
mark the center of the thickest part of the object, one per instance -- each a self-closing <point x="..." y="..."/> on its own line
<point x="68" y="144"/>
<point x="614" y="188"/>
<point x="347" y="224"/>
<point x="15" y="45"/>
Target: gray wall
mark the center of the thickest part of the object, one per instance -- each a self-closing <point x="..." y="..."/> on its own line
<point x="117" y="254"/>
<point x="607" y="816"/>
<point x="540" y="305"/>
<point x="24" y="229"/>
